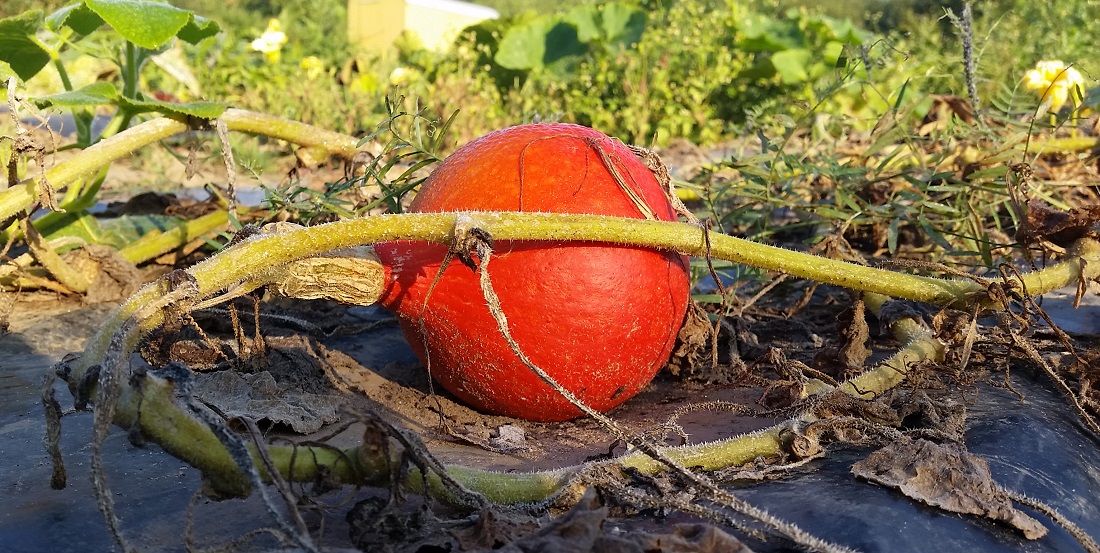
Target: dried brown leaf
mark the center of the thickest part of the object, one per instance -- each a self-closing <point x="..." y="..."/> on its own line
<point x="852" y="351"/>
<point x="581" y="531"/>
<point x="1059" y="227"/>
<point x="259" y="397"/>
<point x="945" y="476"/>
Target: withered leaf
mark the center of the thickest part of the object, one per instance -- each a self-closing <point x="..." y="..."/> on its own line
<point x="581" y="531"/>
<point x="259" y="397"/>
<point x="852" y="351"/>
<point x="493" y="530"/>
<point x="1060" y="227"/>
<point x="944" y="108"/>
<point x="692" y="342"/>
<point x="945" y="476"/>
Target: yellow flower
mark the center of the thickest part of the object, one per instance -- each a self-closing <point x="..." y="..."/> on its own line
<point x="313" y="66"/>
<point x="401" y="76"/>
<point x="1054" y="83"/>
<point x="271" y="42"/>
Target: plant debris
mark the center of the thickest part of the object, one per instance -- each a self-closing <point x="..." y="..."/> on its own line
<point x="259" y="397"/>
<point x="583" y="530"/>
<point x="948" y="477"/>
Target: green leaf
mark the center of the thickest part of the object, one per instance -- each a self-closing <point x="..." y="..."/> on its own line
<point x="145" y="23"/>
<point x="538" y="43"/>
<point x="832" y="52"/>
<point x="562" y="44"/>
<point x="523" y="46"/>
<point x="761" y="34"/>
<point x="199" y="29"/>
<point x="95" y="94"/>
<point x="612" y="23"/>
<point x="1091" y="97"/>
<point x="942" y="209"/>
<point x="77" y="17"/>
<point x="933" y="234"/>
<point x="622" y="23"/>
<point x="76" y="223"/>
<point x="845" y="31"/>
<point x="24" y="55"/>
<point x="117" y="232"/>
<point x="126" y="229"/>
<point x="892" y="236"/>
<point x="584" y="18"/>
<point x="791" y="65"/>
<point x="202" y="110"/>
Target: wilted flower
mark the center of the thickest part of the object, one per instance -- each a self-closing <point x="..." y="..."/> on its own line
<point x="1054" y="83"/>
<point x="271" y="42"/>
<point x="313" y="66"/>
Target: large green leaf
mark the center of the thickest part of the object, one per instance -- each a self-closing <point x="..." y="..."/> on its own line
<point x="199" y="29"/>
<point x="117" y="232"/>
<point x="202" y="110"/>
<point x="24" y="55"/>
<point x="77" y="17"/>
<point x="145" y="23"/>
<point x="791" y="65"/>
<point x="562" y="44"/>
<point x="81" y="18"/>
<point x="96" y="94"/>
<point x="524" y="45"/>
<point x="845" y="31"/>
<point x="612" y="23"/>
<point x="761" y="34"/>
<point x="622" y="23"/>
<point x="586" y="19"/>
<point x="538" y="43"/>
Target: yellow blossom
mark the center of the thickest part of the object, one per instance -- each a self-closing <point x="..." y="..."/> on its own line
<point x="313" y="66"/>
<point x="271" y="42"/>
<point x="1054" y="83"/>
<point x="401" y="76"/>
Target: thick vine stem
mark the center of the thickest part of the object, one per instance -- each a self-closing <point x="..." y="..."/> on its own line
<point x="252" y="259"/>
<point x="162" y="419"/>
<point x="264" y="259"/>
<point x="21" y="195"/>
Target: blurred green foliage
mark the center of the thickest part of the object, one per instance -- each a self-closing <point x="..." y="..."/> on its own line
<point x="645" y="70"/>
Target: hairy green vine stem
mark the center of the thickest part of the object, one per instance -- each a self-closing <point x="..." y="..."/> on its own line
<point x="252" y="259"/>
<point x="262" y="259"/>
<point x="19" y="196"/>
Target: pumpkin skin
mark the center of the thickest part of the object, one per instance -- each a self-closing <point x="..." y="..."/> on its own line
<point x="600" y="319"/>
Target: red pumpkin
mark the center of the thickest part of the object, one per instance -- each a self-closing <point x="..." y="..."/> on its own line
<point x="600" y="319"/>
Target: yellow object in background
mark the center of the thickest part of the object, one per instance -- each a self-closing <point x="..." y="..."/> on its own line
<point x="271" y="42"/>
<point x="375" y="24"/>
<point x="1055" y="83"/>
